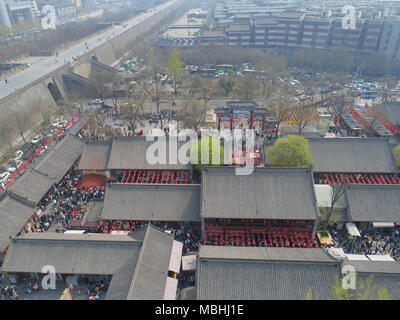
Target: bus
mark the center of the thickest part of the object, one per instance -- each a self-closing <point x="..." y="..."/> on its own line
<point x="369" y="94"/>
<point x="128" y="64"/>
<point x="227" y="68"/>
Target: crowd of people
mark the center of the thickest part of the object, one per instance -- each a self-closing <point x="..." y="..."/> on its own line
<point x="9" y="292"/>
<point x="95" y="289"/>
<point x="186" y="279"/>
<point x="370" y="243"/>
<point x="188" y="234"/>
<point x="66" y="202"/>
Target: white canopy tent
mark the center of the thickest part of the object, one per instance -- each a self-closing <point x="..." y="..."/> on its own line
<point x="74" y="232"/>
<point x="352" y="229"/>
<point x="383" y="224"/>
<point x="324" y="193"/>
<point x="377" y="257"/>
<point x="356" y="257"/>
<point x="337" y="253"/>
<point x="176" y="255"/>
<point x="171" y="288"/>
<point x="189" y="262"/>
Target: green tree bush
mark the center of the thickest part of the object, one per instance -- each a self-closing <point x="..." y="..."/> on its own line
<point x="214" y="145"/>
<point x="290" y="151"/>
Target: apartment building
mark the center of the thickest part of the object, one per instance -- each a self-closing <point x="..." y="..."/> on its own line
<point x="389" y="44"/>
<point x="4" y="17"/>
<point x="238" y="35"/>
<point x="315" y="33"/>
<point x="371" y="35"/>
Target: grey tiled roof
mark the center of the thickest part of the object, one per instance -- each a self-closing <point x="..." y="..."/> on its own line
<point x="150" y="277"/>
<point x="274" y="276"/>
<point x="235" y="273"/>
<point x="95" y="156"/>
<point x="373" y="203"/>
<point x="33" y="185"/>
<point x="13" y="216"/>
<point x="352" y="155"/>
<point x="130" y="153"/>
<point x="35" y="182"/>
<point x="94" y="254"/>
<point x="144" y="202"/>
<point x="268" y="193"/>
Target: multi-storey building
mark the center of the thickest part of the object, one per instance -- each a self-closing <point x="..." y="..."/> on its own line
<point x="315" y="33"/>
<point x="19" y="10"/>
<point x="371" y="35"/>
<point x="33" y="4"/>
<point x="4" y="17"/>
<point x="238" y="35"/>
<point x="389" y="44"/>
<point x="87" y="4"/>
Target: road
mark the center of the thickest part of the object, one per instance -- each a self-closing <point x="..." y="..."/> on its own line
<point x="50" y="64"/>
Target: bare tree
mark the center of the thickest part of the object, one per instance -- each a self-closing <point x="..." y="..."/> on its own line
<point x="114" y="92"/>
<point x="206" y="92"/>
<point x="193" y="114"/>
<point x="337" y="191"/>
<point x="46" y="116"/>
<point x="6" y="132"/>
<point x="340" y="104"/>
<point x="193" y="85"/>
<point x="304" y="116"/>
<point x="280" y="109"/>
<point x="137" y="96"/>
<point x="103" y="86"/>
<point x="157" y="91"/>
<point x="386" y="92"/>
<point x="247" y="87"/>
<point x="22" y="122"/>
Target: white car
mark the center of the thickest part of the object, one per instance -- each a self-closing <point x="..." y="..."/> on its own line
<point x="12" y="169"/>
<point x="18" y="155"/>
<point x="51" y="133"/>
<point x="4" y="176"/>
<point x="37" y="139"/>
<point x="43" y="150"/>
<point x="97" y="101"/>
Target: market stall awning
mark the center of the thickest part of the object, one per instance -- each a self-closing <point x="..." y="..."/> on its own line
<point x="352" y="229"/>
<point x="383" y="224"/>
<point x="171" y="288"/>
<point x="378" y="257"/>
<point x="337" y="253"/>
<point x="189" y="262"/>
<point x="356" y="257"/>
<point x="176" y="255"/>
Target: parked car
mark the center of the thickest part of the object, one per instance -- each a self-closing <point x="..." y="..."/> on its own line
<point x="57" y="123"/>
<point x="4" y="176"/>
<point x="12" y="169"/>
<point x="18" y="155"/>
<point x="43" y="150"/>
<point x="97" y="101"/>
<point x="51" y="133"/>
<point x="37" y="139"/>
